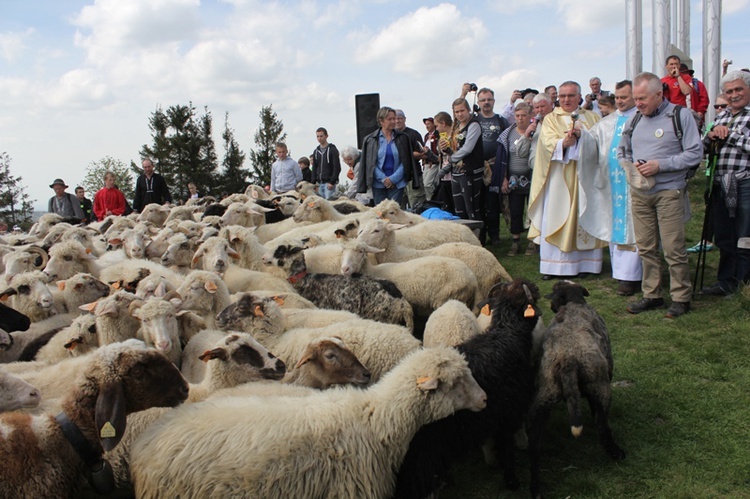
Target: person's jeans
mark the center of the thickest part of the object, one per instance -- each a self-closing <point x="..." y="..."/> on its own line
<point x="325" y="192"/>
<point x="381" y="194"/>
<point x="659" y="217"/>
<point x="734" y="262"/>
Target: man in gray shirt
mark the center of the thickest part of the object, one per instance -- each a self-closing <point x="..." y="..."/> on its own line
<point x="659" y="213"/>
<point x="63" y="203"/>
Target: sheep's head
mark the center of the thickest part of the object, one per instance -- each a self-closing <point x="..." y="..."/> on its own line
<point x="128" y="377"/>
<point x="18" y="262"/>
<point x="130" y="284"/>
<point x="66" y="260"/>
<point x="82" y="288"/>
<point x="201" y="291"/>
<point x="252" y="314"/>
<point x="311" y="210"/>
<point x="348" y="230"/>
<point x="215" y="253"/>
<point x="80" y="336"/>
<point x="564" y="292"/>
<point x="242" y="359"/>
<point x="289" y="257"/>
<point x="377" y="232"/>
<point x="30" y="295"/>
<point x="354" y="257"/>
<point x="180" y="251"/>
<point x="158" y="318"/>
<point x="328" y="362"/>
<point x="391" y="211"/>
<point x="16" y="393"/>
<point x="518" y="297"/>
<point x="153" y="285"/>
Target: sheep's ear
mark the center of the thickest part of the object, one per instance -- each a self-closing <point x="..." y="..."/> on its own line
<point x="486" y="310"/>
<point x="71" y="345"/>
<point x="88" y="307"/>
<point x="427" y="383"/>
<point x="232" y="253"/>
<point x="307" y="358"/>
<point x="133" y="308"/>
<point x="279" y="300"/>
<point x="161" y="290"/>
<point x="7" y="294"/>
<point x="61" y="285"/>
<point x="211" y="287"/>
<point x="216" y="353"/>
<point x="258" y="311"/>
<point x="110" y="415"/>
<point x="339" y="233"/>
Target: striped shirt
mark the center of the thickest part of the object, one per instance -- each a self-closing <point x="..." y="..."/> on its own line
<point x="734" y="152"/>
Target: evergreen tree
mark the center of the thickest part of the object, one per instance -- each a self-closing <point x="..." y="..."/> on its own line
<point x="93" y="179"/>
<point x="270" y="132"/>
<point x="16" y="207"/>
<point x="234" y="177"/>
<point x="183" y="149"/>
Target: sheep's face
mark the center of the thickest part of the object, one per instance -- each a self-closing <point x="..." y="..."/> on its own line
<point x="244" y="359"/>
<point x="81" y="336"/>
<point x="152" y="286"/>
<point x="159" y="244"/>
<point x="159" y="325"/>
<point x="16" y="393"/>
<point x="310" y="210"/>
<point x="391" y="211"/>
<point x="286" y="256"/>
<point x="287" y="205"/>
<point x="328" y="362"/>
<point x="31" y="296"/>
<point x="66" y="261"/>
<point x="179" y="252"/>
<point x="216" y="254"/>
<point x="20" y="262"/>
<point x="374" y="232"/>
<point x="353" y="260"/>
<point x="199" y="294"/>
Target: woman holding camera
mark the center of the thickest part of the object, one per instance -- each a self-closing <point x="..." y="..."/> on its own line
<point x="387" y="160"/>
<point x="466" y="160"/>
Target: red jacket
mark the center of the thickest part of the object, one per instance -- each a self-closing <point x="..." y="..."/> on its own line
<point x="698" y="98"/>
<point x="108" y="199"/>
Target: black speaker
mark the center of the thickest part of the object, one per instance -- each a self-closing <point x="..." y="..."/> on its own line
<point x="367" y="106"/>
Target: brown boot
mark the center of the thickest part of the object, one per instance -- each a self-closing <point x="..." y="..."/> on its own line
<point x="628" y="288"/>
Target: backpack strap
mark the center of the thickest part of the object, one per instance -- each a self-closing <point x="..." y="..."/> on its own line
<point x="636" y="118"/>
<point x="677" y="124"/>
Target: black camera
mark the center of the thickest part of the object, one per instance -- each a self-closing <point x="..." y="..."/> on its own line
<point x="593" y="96"/>
<point x="473" y="87"/>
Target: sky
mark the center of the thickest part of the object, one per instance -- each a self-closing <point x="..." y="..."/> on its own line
<point x="79" y="79"/>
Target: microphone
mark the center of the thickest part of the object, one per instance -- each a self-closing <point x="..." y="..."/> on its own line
<point x="537" y="119"/>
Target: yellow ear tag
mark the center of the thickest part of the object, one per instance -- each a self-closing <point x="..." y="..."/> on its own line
<point x="107" y="431"/>
<point x="486" y="309"/>
<point x="423" y="379"/>
<point x="529" y="312"/>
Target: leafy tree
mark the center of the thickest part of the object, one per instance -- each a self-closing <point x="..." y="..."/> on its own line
<point x="183" y="149"/>
<point x="94" y="176"/>
<point x="16" y="207"/>
<point x="270" y="132"/>
<point x="234" y="177"/>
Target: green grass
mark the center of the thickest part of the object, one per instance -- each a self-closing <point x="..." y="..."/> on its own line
<point x="680" y="403"/>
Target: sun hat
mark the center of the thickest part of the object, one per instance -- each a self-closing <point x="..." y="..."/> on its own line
<point x="57" y="181"/>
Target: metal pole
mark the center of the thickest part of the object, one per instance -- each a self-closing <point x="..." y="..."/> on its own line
<point x="682" y="21"/>
<point x="661" y="27"/>
<point x="711" y="51"/>
<point x="633" y="38"/>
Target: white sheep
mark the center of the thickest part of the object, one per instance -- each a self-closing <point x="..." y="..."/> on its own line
<point x="38" y="457"/>
<point x="159" y="326"/>
<point x="29" y="294"/>
<point x="450" y="325"/>
<point x="178" y="255"/>
<point x="381" y="234"/>
<point x="69" y="258"/>
<point x="133" y="241"/>
<point x="44" y="224"/>
<point x="129" y="273"/>
<point x="315" y="209"/>
<point x="425" y="282"/>
<point x="153" y="285"/>
<point x="293" y="447"/>
<point x="17" y="262"/>
<point x="244" y="215"/>
<point x="155" y="213"/>
<point x="21" y="340"/>
<point x="180" y="213"/>
<point x="15" y="393"/>
<point x="73" y="341"/>
<point x="114" y="323"/>
<point x="159" y="243"/>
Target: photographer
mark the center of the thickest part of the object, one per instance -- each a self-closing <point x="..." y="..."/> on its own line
<point x="592" y="100"/>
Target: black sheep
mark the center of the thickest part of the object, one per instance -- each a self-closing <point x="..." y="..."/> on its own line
<point x="576" y="360"/>
<point x="500" y="361"/>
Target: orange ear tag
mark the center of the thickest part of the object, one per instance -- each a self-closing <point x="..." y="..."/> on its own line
<point x="486" y="309"/>
<point x="529" y="312"/>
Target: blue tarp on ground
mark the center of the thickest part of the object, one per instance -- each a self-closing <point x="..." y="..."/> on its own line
<point x="438" y="214"/>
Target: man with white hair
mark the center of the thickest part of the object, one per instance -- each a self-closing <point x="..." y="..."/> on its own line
<point x="592" y="100"/>
<point x="605" y="211"/>
<point x="566" y="249"/>
<point x="651" y="141"/>
<point x="729" y="142"/>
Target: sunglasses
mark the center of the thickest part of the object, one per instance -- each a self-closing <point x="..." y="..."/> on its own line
<point x="720" y="106"/>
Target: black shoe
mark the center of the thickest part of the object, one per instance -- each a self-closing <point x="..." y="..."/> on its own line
<point x="644" y="304"/>
<point x="548" y="277"/>
<point x="715" y="290"/>
<point x="678" y="308"/>
<point x="628" y="288"/>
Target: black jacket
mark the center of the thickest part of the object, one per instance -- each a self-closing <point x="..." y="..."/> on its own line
<point x="326" y="167"/>
<point x="157" y="193"/>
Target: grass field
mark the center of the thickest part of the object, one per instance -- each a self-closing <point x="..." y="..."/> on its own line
<point x="680" y="407"/>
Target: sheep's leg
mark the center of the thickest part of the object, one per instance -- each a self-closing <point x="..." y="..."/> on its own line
<point x="507" y="458"/>
<point x="539" y="416"/>
<point x="600" y="407"/>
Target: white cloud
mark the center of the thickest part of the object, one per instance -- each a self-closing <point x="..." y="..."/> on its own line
<point x="12" y="44"/>
<point x="733" y="6"/>
<point x="585" y="16"/>
<point x="429" y="39"/>
<point x="79" y="88"/>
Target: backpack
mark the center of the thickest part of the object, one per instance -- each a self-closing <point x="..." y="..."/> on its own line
<point x="676" y="125"/>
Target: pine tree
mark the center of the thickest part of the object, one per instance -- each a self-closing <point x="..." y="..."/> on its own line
<point x="183" y="149"/>
<point x="94" y="176"/>
<point x="16" y="207"/>
<point x="270" y="132"/>
<point x="234" y="177"/>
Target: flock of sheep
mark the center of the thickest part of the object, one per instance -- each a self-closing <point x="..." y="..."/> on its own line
<point x="278" y="347"/>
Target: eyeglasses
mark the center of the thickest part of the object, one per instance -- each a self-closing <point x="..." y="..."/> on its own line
<point x="720" y="106"/>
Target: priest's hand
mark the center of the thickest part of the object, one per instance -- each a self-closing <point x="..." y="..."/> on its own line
<point x="571" y="137"/>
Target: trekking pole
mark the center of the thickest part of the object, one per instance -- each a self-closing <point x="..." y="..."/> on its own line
<point x="701" y="265"/>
